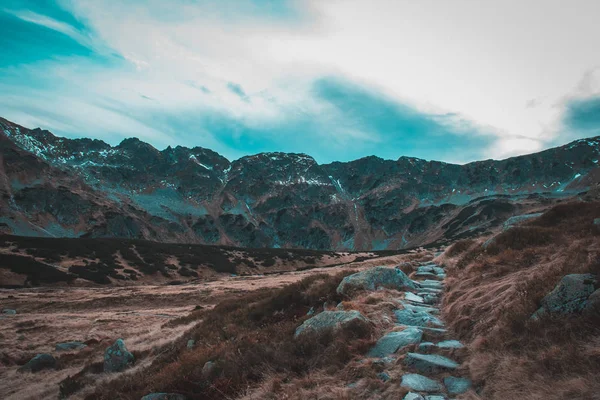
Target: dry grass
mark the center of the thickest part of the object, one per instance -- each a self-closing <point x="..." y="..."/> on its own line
<point x="492" y="292"/>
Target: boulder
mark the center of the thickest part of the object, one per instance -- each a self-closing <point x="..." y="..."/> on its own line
<point x="38" y="363"/>
<point x="569" y="296"/>
<point x="208" y="368"/>
<point x="420" y="383"/>
<point x="375" y="278"/>
<point x="163" y="396"/>
<point x="117" y="358"/>
<point x="429" y="363"/>
<point x="9" y="311"/>
<point x="457" y="385"/>
<point x="417" y="318"/>
<point x="68" y="346"/>
<point x="330" y="319"/>
<point x="393" y="341"/>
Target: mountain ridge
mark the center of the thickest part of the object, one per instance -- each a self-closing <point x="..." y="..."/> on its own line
<point x="273" y="199"/>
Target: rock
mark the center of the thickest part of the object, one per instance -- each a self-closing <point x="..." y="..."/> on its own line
<point x="428" y="363"/>
<point x="416" y="318"/>
<point x="457" y="385"/>
<point x="393" y="341"/>
<point x="426" y="275"/>
<point x="163" y="396"/>
<point x="413" y="396"/>
<point x="426" y="269"/>
<point x="597" y="221"/>
<point x="516" y="219"/>
<point x="330" y="319"/>
<point x="431" y="284"/>
<point x="38" y="363"/>
<point x="374" y="278"/>
<point x="384" y="376"/>
<point x="420" y="383"/>
<point x="311" y="311"/>
<point x="208" y="368"/>
<point x="429" y="290"/>
<point x="593" y="303"/>
<point x="569" y="296"/>
<point x="67" y="346"/>
<point x="340" y="306"/>
<point x="412" y="307"/>
<point x="435" y="397"/>
<point x="413" y="297"/>
<point x="117" y="358"/>
<point x="191" y="343"/>
<point x="426" y="346"/>
<point x="9" y="311"/>
<point x="385" y="361"/>
<point x="450" y="344"/>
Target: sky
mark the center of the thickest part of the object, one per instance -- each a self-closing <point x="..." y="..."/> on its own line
<point x="453" y="80"/>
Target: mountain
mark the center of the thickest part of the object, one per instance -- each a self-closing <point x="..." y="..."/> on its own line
<point x="58" y="187"/>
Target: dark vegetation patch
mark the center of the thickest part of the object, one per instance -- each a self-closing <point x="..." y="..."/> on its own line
<point x="100" y="258"/>
<point x="248" y="337"/>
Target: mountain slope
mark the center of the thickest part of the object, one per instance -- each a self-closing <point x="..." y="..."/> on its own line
<point x="54" y="186"/>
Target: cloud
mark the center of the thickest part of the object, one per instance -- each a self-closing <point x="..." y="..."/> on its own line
<point x="583" y="116"/>
<point x="237" y="90"/>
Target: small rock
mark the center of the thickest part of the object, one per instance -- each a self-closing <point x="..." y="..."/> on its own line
<point x="9" y="311"/>
<point x="330" y="319"/>
<point x="374" y="278"/>
<point x="597" y="221"/>
<point x="424" y="308"/>
<point x="393" y="341"/>
<point x="416" y="318"/>
<point x="426" y="346"/>
<point x="457" y="385"/>
<point x="191" y="343"/>
<point x="428" y="363"/>
<point x="208" y="369"/>
<point x="435" y="397"/>
<point x="413" y="297"/>
<point x="67" y="346"/>
<point x="38" y="363"/>
<point x="413" y="396"/>
<point x="311" y="311"/>
<point x="431" y="284"/>
<point x="420" y="383"/>
<point x="384" y="376"/>
<point x="340" y="306"/>
<point x="450" y="344"/>
<point x="569" y="296"/>
<point x="117" y="358"/>
<point x="163" y="396"/>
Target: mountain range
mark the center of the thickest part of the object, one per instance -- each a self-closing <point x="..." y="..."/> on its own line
<point x="58" y="187"/>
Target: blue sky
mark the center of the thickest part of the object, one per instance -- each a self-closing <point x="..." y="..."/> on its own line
<point x="337" y="80"/>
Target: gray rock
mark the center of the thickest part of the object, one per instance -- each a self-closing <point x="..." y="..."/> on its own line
<point x="164" y="396"/>
<point x="450" y="344"/>
<point x="374" y="278"/>
<point x="385" y="361"/>
<point x="208" y="368"/>
<point x="417" y="318"/>
<point x="311" y="311"/>
<point x="330" y="319"/>
<point x="435" y="397"/>
<point x="413" y="396"/>
<point x="68" y="346"/>
<point x="393" y="341"/>
<point x="429" y="363"/>
<point x="420" y="383"/>
<point x="518" y="219"/>
<point x="457" y="385"/>
<point x="9" y="311"/>
<point x="429" y="290"/>
<point x="569" y="296"/>
<point x="426" y="275"/>
<point x="426" y="346"/>
<point x="38" y="363"/>
<point x="413" y="297"/>
<point x="597" y="221"/>
<point x="340" y="306"/>
<point x="191" y="343"/>
<point x="117" y="358"/>
<point x="384" y="376"/>
<point x="431" y="284"/>
<point x="424" y="308"/>
<point x="426" y="269"/>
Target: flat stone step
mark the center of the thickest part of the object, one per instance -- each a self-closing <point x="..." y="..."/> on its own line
<point x="430" y="290"/>
<point x="420" y="383"/>
<point x="430" y="284"/>
<point x="391" y="342"/>
<point x="427" y="275"/>
<point x="427" y="309"/>
<point x="456" y="385"/>
<point x="450" y="344"/>
<point x="413" y="297"/>
<point x="429" y="363"/>
<point x="417" y="318"/>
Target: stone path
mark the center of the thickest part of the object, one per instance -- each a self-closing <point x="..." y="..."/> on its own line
<point x="431" y="370"/>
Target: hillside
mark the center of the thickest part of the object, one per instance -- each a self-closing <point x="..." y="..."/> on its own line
<point x="58" y="187"/>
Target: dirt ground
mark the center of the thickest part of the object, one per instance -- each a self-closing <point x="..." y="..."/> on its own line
<point x="99" y="315"/>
